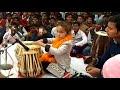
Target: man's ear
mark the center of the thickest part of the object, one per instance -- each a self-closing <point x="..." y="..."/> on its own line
<point x="119" y="34"/>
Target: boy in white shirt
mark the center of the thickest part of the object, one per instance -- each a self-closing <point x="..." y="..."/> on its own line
<point x="79" y="39"/>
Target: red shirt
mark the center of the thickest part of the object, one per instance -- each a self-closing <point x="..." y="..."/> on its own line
<point x="3" y="23"/>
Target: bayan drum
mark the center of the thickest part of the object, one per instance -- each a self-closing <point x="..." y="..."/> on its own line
<point x="19" y="49"/>
<point x="29" y="65"/>
<point x="100" y="44"/>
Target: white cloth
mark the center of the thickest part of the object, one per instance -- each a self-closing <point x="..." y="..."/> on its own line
<point x="54" y="32"/>
<point x="10" y="38"/>
<point x="79" y="39"/>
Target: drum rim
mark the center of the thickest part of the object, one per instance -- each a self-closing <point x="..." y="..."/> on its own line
<point x="101" y="33"/>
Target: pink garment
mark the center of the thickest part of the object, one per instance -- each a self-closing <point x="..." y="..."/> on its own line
<point x="111" y="68"/>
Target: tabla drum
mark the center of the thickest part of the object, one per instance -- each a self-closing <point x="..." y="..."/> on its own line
<point x="29" y="66"/>
<point x="19" y="49"/>
<point x="100" y="44"/>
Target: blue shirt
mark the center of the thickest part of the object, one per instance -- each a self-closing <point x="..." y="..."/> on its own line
<point x="113" y="49"/>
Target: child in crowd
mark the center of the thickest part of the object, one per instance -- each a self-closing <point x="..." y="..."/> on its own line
<point x="37" y="32"/>
<point x="13" y="33"/>
<point x="79" y="39"/>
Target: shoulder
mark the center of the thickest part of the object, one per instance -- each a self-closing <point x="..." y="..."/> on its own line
<point x="68" y="42"/>
<point x="85" y="26"/>
<point x="81" y="32"/>
<point x="54" y="28"/>
<point x="7" y="34"/>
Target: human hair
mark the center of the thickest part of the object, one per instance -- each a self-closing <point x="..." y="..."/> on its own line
<point x="76" y="22"/>
<point x="91" y="16"/>
<point x="14" y="24"/>
<point x="80" y="16"/>
<point x="16" y="18"/>
<point x="8" y="14"/>
<point x="36" y="16"/>
<point x="33" y="25"/>
<point x="68" y="14"/>
<point x="53" y="18"/>
<point x="116" y="20"/>
<point x="66" y="25"/>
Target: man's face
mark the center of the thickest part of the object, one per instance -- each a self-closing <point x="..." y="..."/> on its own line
<point x="35" y="20"/>
<point x="16" y="21"/>
<point x="80" y="19"/>
<point x="69" y="18"/>
<point x="75" y="27"/>
<point x="44" y="17"/>
<point x="98" y="26"/>
<point x="112" y="30"/>
<point x="52" y="21"/>
<point x="13" y="29"/>
<point x="89" y="20"/>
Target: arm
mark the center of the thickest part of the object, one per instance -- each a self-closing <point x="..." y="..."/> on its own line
<point x="25" y="32"/>
<point x="58" y="51"/>
<point x="50" y="40"/>
<point x="53" y="31"/>
<point x="84" y="40"/>
<point x="61" y="50"/>
<point x="102" y="59"/>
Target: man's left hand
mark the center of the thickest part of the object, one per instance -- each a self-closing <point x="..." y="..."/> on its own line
<point x="93" y="71"/>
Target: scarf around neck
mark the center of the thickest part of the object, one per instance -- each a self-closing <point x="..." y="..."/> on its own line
<point x="56" y="44"/>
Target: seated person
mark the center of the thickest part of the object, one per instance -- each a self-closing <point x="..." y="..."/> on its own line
<point x="79" y="39"/>
<point x="59" y="51"/>
<point x="54" y="31"/>
<point x="13" y="33"/>
<point x="37" y="33"/>
<point x="44" y="34"/>
<point x="2" y="32"/>
<point x="21" y="28"/>
<point x="52" y="23"/>
<point x="92" y="36"/>
<point x="113" y="31"/>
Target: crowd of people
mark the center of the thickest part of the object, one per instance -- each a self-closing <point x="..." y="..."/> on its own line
<point x="70" y="33"/>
